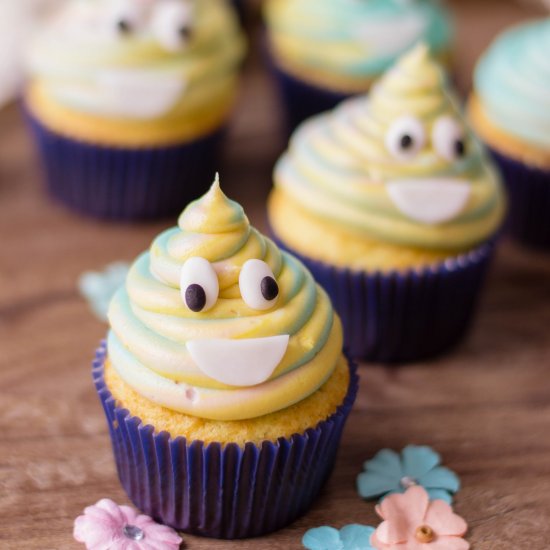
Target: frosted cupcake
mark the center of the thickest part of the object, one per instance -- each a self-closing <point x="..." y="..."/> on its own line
<point x="510" y="110"/>
<point x="324" y="51"/>
<point x="393" y="205"/>
<point x="223" y="380"/>
<point x="128" y="101"/>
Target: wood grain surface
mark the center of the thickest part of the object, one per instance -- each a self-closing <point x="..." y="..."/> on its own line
<point x="485" y="407"/>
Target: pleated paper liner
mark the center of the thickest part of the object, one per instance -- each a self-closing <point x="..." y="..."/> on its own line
<point x="125" y="184"/>
<point x="300" y="99"/>
<point x="222" y="491"/>
<point x="528" y="189"/>
<point x="400" y="317"/>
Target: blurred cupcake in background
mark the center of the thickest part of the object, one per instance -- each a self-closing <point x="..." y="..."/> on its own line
<point x="128" y="101"/>
<point x="393" y="205"/>
<point x="223" y="381"/>
<point x="240" y="6"/>
<point x="510" y="110"/>
<point x="323" y="51"/>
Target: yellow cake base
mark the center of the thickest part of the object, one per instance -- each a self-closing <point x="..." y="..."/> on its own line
<point x="123" y="132"/>
<point x="503" y="142"/>
<point x="322" y="240"/>
<point x="295" y="419"/>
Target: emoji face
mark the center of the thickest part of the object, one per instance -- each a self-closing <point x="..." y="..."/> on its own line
<point x="426" y="147"/>
<point x="240" y="362"/>
<point x="134" y="31"/>
<point x="170" y="23"/>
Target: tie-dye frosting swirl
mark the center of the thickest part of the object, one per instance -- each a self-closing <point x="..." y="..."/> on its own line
<point x="345" y="170"/>
<point x="355" y="40"/>
<point x="512" y="83"/>
<point x="151" y="325"/>
<point x="140" y="59"/>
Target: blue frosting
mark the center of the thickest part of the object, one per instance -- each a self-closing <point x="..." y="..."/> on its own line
<point x="512" y="81"/>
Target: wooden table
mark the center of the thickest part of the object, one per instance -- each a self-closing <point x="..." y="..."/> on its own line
<point x="486" y="407"/>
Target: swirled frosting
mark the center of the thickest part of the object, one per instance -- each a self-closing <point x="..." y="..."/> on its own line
<point x="353" y="39"/>
<point x="139" y="59"/>
<point x="149" y="344"/>
<point x="512" y="83"/>
<point x="399" y="167"/>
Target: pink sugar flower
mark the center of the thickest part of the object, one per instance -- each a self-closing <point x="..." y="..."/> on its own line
<point x="108" y="526"/>
<point x="412" y="522"/>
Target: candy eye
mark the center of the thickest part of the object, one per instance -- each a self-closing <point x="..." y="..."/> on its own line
<point x="199" y="284"/>
<point x="173" y="24"/>
<point x="405" y="138"/>
<point x="125" y="17"/>
<point x="259" y="288"/>
<point x="449" y="138"/>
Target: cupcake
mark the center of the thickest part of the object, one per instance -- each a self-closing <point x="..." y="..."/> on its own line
<point x="510" y="110"/>
<point x="393" y="205"/>
<point x="323" y="51"/>
<point x="128" y="101"/>
<point x="223" y="379"/>
<point x="240" y="6"/>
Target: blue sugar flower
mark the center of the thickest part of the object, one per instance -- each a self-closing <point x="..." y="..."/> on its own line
<point x="98" y="287"/>
<point x="388" y="472"/>
<point x="350" y="537"/>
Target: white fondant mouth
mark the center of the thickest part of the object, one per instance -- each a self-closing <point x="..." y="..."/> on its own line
<point x="246" y="362"/>
<point x="431" y="200"/>
<point x="140" y="93"/>
<point x="392" y="35"/>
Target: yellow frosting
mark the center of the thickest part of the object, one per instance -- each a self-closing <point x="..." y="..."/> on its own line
<point x="333" y="185"/>
<point x="130" y="89"/>
<point x="289" y="218"/>
<point x="151" y="325"/>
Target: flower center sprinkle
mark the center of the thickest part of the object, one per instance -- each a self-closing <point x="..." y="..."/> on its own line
<point x="424" y="533"/>
<point x="133" y="533"/>
<point x="406" y="482"/>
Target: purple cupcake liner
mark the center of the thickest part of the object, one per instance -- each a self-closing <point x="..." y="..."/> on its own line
<point x="221" y="491"/>
<point x="300" y="99"/>
<point x="124" y="183"/>
<point x="529" y="201"/>
<point x="399" y="317"/>
<point x="303" y="100"/>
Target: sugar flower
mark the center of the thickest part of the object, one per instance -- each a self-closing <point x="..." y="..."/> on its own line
<point x="413" y="522"/>
<point x="98" y="287"/>
<point x="108" y="526"/>
<point x="350" y="537"/>
<point x="390" y="472"/>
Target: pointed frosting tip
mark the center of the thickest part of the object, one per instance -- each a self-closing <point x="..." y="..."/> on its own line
<point x="419" y="52"/>
<point x="214" y="212"/>
<point x="417" y="57"/>
<point x="416" y="73"/>
<point x="215" y="191"/>
<point x="216" y="183"/>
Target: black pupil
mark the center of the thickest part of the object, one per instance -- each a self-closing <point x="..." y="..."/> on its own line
<point x="406" y="141"/>
<point x="123" y="26"/>
<point x="195" y="298"/>
<point x="269" y="288"/>
<point x="185" y="32"/>
<point x="460" y="148"/>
